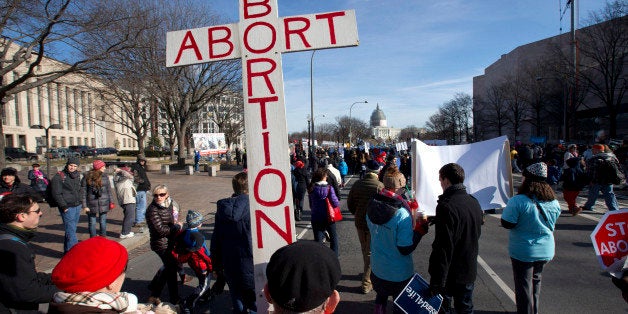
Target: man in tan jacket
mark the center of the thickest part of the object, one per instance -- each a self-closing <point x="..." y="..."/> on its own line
<point x="359" y="196"/>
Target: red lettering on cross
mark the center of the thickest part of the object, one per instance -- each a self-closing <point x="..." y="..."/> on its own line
<point x="213" y="39"/>
<point x="271" y="44"/>
<point x="185" y="46"/>
<point x="256" y="188"/>
<point x="296" y="31"/>
<point x="287" y="235"/>
<point x="264" y="8"/>
<point x="264" y="74"/>
<point x="330" y="22"/>
<point x="262" y="104"/>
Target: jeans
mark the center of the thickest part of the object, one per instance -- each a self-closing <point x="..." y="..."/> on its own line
<point x="527" y="277"/>
<point x="140" y="206"/>
<point x="167" y="274"/>
<point x="91" y="224"/>
<point x="70" y="221"/>
<point x="129" y="216"/>
<point x="460" y="296"/>
<point x="242" y="301"/>
<point x="607" y="192"/>
<point x="319" y="234"/>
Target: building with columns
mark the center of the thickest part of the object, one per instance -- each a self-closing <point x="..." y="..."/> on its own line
<point x="379" y="126"/>
<point x="70" y="101"/>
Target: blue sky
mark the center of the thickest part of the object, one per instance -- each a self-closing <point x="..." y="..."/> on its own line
<point x="414" y="55"/>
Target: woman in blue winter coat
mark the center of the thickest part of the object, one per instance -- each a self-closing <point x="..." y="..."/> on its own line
<point x="319" y="190"/>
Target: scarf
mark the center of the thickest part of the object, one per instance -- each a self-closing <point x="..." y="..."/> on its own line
<point x="103" y="300"/>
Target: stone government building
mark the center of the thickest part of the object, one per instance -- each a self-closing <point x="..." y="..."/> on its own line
<point x="591" y="117"/>
<point x="379" y="126"/>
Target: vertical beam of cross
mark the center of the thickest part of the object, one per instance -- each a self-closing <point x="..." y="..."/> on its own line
<point x="259" y="39"/>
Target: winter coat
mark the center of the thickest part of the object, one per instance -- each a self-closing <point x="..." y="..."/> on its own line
<point x="360" y="194"/>
<point x="333" y="181"/>
<point x="19" y="188"/>
<point x="140" y="177"/>
<point x="300" y="174"/>
<point x="318" y="205"/>
<point x="231" y="246"/>
<point x="161" y="225"/>
<point x="458" y="225"/>
<point x="574" y="178"/>
<point x="38" y="184"/>
<point x="190" y="248"/>
<point x="123" y="182"/>
<point x="21" y="287"/>
<point x="67" y="190"/>
<point x="94" y="198"/>
<point x="343" y="168"/>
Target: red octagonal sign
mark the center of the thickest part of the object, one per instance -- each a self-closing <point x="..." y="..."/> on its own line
<point x="610" y="238"/>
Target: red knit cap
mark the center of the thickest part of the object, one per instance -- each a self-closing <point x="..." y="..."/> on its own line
<point x="90" y="265"/>
<point x="599" y="147"/>
<point x="98" y="164"/>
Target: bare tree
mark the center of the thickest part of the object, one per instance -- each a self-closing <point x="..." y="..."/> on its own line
<point x="60" y="29"/>
<point x="517" y="109"/>
<point x="229" y="117"/>
<point x="493" y="108"/>
<point x="409" y="132"/>
<point x="604" y="49"/>
<point x="182" y="92"/>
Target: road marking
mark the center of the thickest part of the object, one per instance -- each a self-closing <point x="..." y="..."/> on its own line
<point x="305" y="229"/>
<point x="497" y="280"/>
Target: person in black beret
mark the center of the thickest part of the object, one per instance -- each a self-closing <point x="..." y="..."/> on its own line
<point x="302" y="277"/>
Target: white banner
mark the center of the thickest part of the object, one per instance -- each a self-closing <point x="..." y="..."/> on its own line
<point x="488" y="176"/>
<point x="209" y="143"/>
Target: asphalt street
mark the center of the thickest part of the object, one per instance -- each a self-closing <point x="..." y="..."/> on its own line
<point x="572" y="283"/>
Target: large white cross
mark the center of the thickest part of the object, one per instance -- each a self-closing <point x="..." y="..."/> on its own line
<point x="259" y="39"/>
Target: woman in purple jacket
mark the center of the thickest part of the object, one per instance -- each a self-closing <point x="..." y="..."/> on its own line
<point x="319" y="190"/>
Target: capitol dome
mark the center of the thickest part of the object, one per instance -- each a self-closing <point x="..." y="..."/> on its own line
<point x="378" y="118"/>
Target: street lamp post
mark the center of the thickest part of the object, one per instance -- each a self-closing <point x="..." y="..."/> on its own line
<point x="350" y="122"/>
<point x="55" y="126"/>
<point x="311" y="148"/>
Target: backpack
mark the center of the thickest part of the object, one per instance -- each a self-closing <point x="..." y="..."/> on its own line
<point x="48" y="194"/>
<point x="609" y="172"/>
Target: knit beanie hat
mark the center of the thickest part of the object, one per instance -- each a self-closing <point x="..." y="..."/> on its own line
<point x="302" y="275"/>
<point x="599" y="147"/>
<point x="98" y="164"/>
<point x="536" y="172"/>
<point x="73" y="161"/>
<point x="90" y="265"/>
<point x="372" y="166"/>
<point x="193" y="219"/>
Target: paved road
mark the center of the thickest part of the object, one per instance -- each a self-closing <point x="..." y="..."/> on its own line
<point x="573" y="282"/>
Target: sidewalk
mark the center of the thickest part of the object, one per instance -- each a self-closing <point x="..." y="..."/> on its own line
<point x="199" y="192"/>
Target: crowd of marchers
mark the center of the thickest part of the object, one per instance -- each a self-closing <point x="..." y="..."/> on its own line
<point x="388" y="223"/>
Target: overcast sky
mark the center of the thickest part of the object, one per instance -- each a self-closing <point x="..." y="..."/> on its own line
<point x="414" y="55"/>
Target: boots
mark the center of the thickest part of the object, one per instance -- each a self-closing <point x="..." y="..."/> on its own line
<point x="297" y="214"/>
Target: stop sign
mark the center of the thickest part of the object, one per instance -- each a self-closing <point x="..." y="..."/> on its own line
<point x="610" y="238"/>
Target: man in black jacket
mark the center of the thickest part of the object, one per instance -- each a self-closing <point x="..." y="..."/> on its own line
<point x="22" y="288"/>
<point x="458" y="222"/>
<point x="66" y="190"/>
